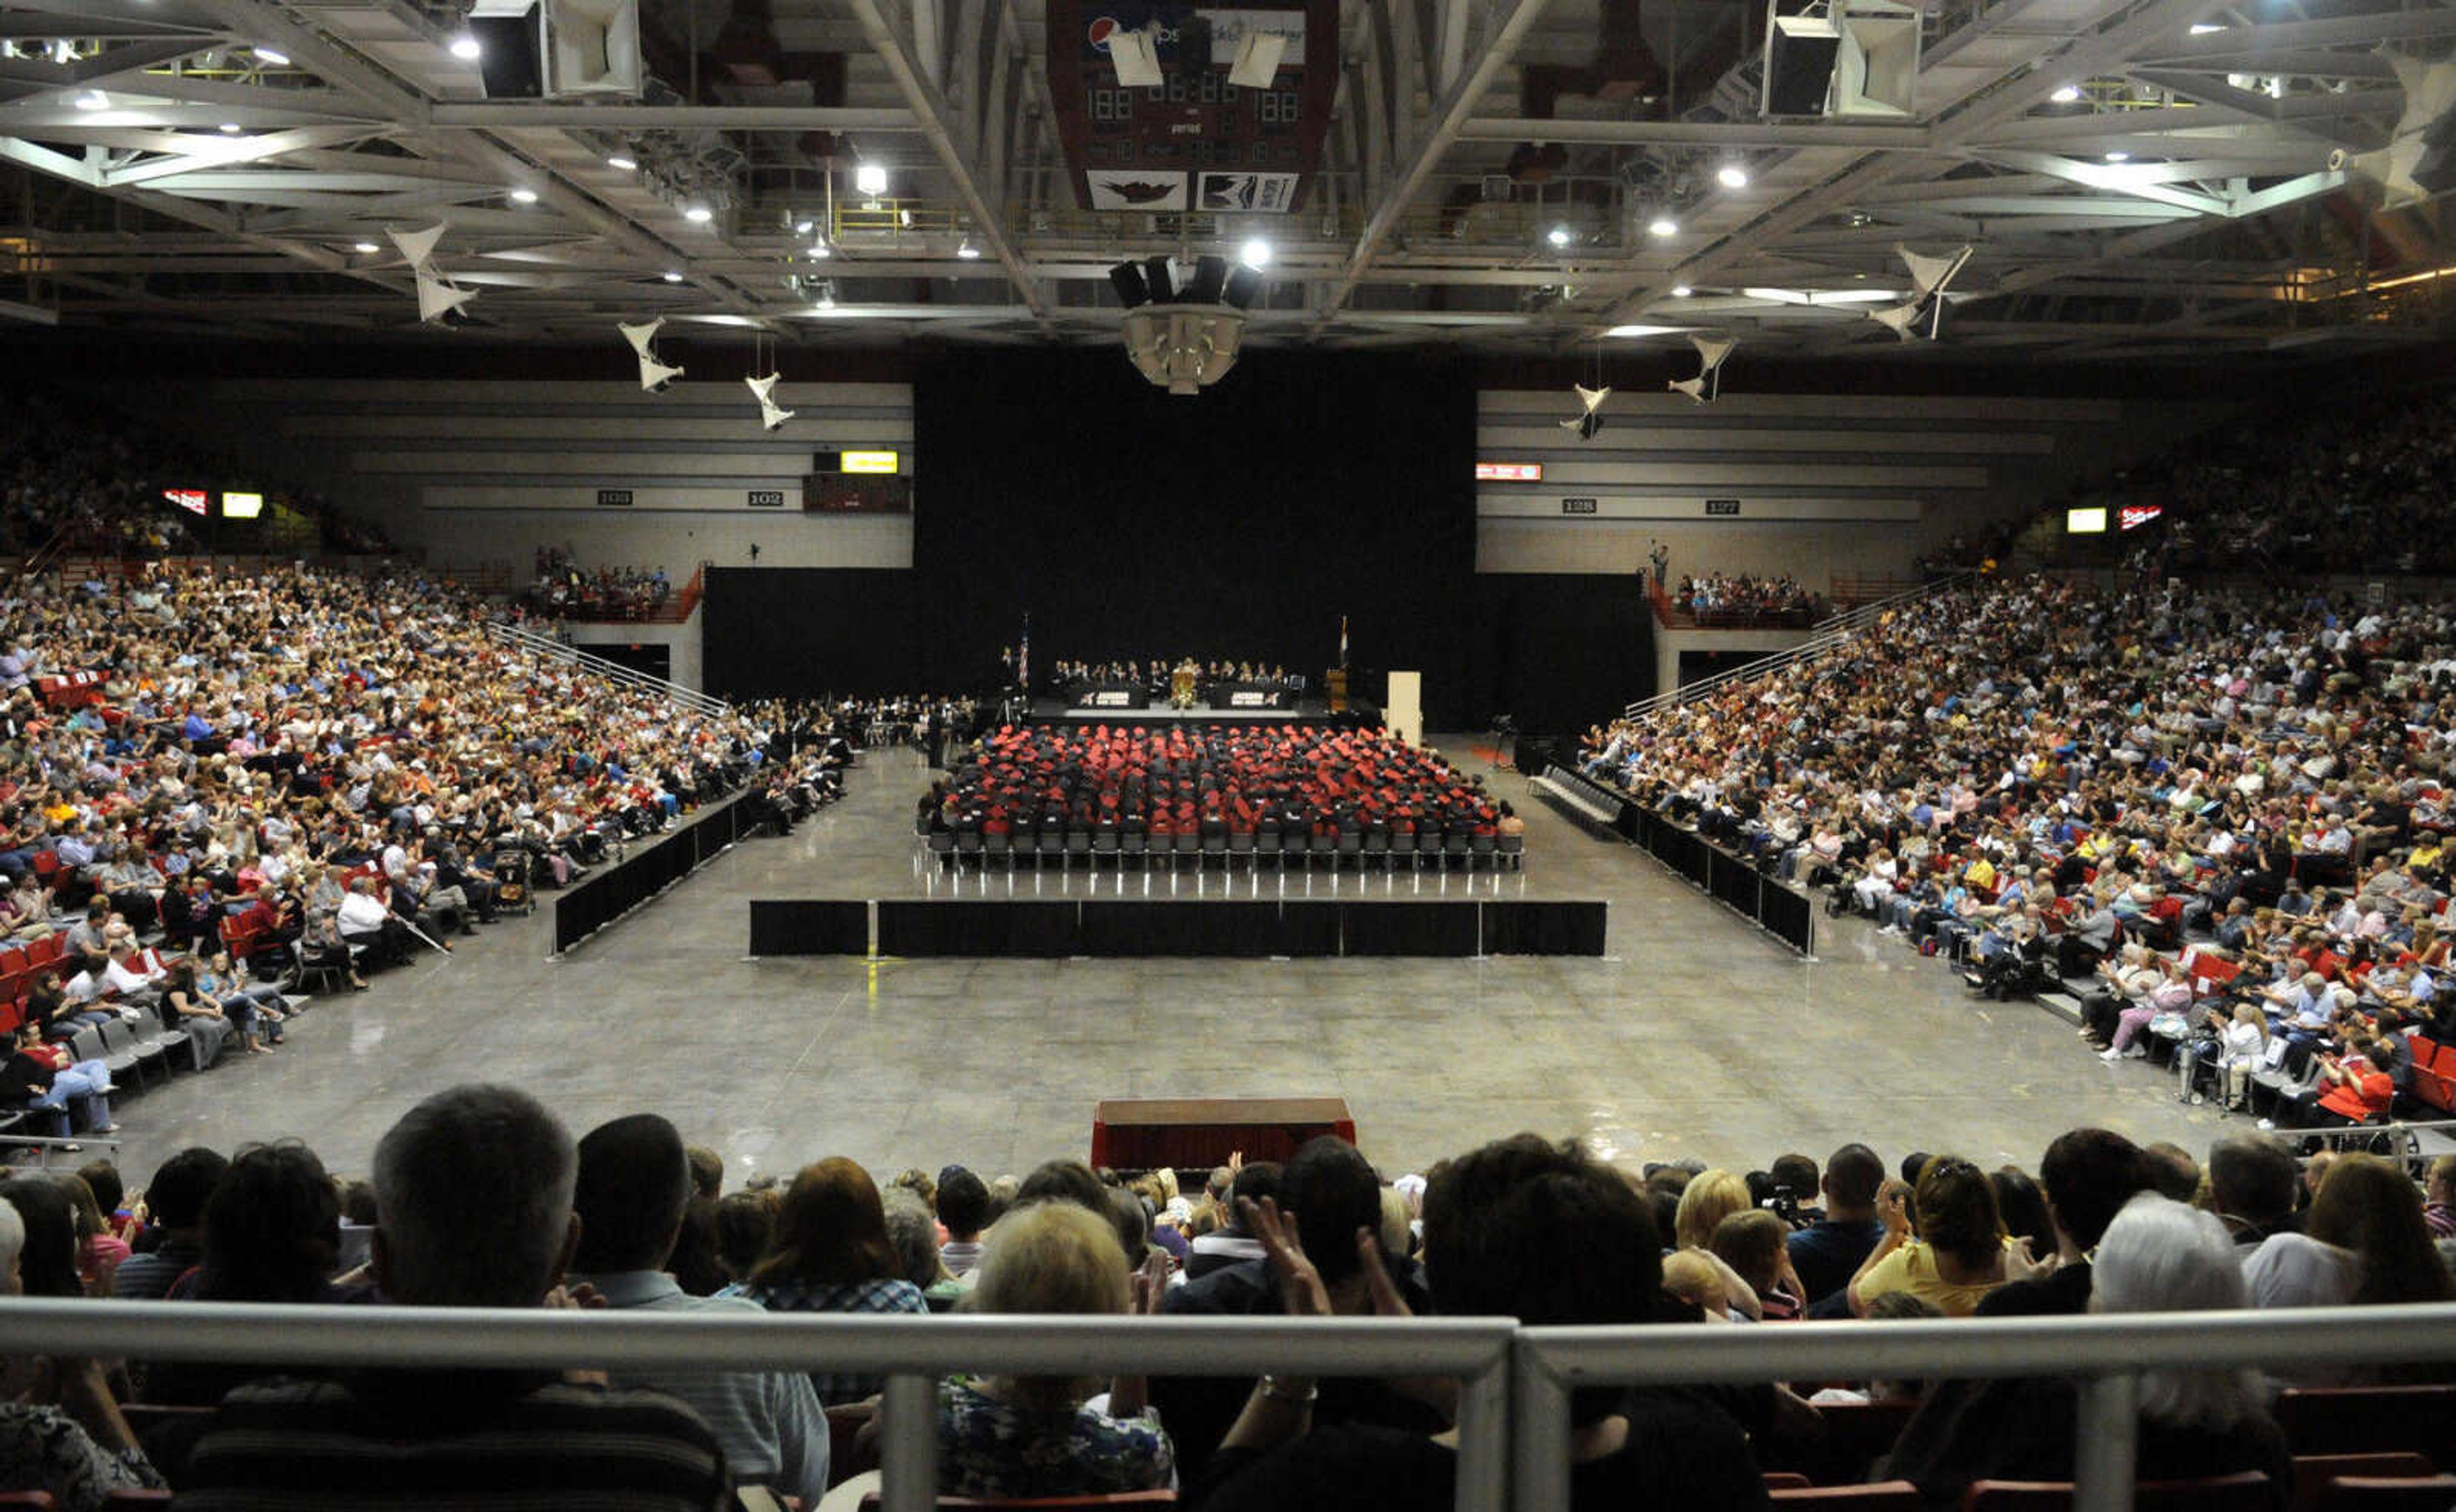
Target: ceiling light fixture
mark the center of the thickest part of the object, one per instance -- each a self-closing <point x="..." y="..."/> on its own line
<point x="364" y="247"/>
<point x="2066" y="96"/>
<point x="967" y="249"/>
<point x="1254" y="254"/>
<point x="1731" y="175"/>
<point x="279" y="59"/>
<point x="524" y="196"/>
<point x="94" y="100"/>
<point x="1663" y="226"/>
<point x="805" y="226"/>
<point x="1558" y="236"/>
<point x="2119" y="155"/>
<point x="232" y="128"/>
<point x="698" y="215"/>
<point x="827" y="298"/>
<point x="820" y="249"/>
<point x="622" y="163"/>
<point x="1681" y="290"/>
<point x="672" y="277"/>
<point x="465" y="47"/>
<point x="871" y="178"/>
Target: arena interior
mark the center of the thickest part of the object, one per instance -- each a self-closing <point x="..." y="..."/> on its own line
<point x="1614" y="663"/>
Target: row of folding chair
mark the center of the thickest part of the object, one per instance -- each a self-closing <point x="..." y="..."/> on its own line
<point x="1119" y="849"/>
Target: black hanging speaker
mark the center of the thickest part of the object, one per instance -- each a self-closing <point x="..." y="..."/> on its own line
<point x="1210" y="279"/>
<point x="510" y="62"/>
<point x="1800" y="52"/>
<point x="1163" y="290"/>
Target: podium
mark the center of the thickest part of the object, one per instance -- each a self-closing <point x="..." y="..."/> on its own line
<point x="1335" y="683"/>
<point x="1136" y="1134"/>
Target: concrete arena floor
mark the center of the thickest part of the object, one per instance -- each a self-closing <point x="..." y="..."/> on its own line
<point x="1694" y="1036"/>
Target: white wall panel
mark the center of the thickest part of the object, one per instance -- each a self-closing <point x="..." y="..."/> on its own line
<point x="1825" y="485"/>
<point x="479" y="475"/>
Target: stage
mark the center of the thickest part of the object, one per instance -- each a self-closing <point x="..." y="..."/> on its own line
<point x="1308" y="711"/>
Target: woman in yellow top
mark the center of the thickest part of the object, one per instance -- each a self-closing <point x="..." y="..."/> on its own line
<point x="1960" y="1252"/>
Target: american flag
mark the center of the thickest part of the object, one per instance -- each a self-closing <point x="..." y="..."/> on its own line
<point x="1343" y="639"/>
<point x="1023" y="654"/>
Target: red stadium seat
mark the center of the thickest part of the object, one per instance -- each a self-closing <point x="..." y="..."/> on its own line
<point x="2390" y="1493"/>
<point x="1884" y="1496"/>
<point x="2246" y="1492"/>
<point x="2313" y="1472"/>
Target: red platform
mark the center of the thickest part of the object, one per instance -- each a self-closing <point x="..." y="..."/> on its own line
<point x="1136" y="1134"/>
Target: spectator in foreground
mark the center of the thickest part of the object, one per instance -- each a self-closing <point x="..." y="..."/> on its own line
<point x="2157" y="1256"/>
<point x="1958" y="1252"/>
<point x="1493" y="1223"/>
<point x="176" y="1206"/>
<point x="81" y="1450"/>
<point x="631" y="1194"/>
<point x="1015" y="1436"/>
<point x="473" y="1189"/>
<point x="832" y="1255"/>
<point x="963" y="1210"/>
<point x="1830" y="1250"/>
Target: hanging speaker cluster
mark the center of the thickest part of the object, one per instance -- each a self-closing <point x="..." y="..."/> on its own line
<point x="1184" y="337"/>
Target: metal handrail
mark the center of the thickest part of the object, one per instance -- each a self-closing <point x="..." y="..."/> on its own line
<point x="911" y="1351"/>
<point x="1516" y="1380"/>
<point x="2107" y="1353"/>
<point x="512" y="635"/>
<point x="1832" y="635"/>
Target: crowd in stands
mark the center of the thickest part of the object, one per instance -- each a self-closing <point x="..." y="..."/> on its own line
<point x="308" y="771"/>
<point x="65" y="470"/>
<point x="1722" y="598"/>
<point x="562" y="589"/>
<point x="479" y="1197"/>
<point x="2362" y="488"/>
<point x="1214" y="781"/>
<point x="2230" y="806"/>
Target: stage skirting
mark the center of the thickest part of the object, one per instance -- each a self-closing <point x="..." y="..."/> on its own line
<point x="1055" y="929"/>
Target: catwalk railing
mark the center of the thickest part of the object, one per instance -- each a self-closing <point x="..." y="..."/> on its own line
<point x="512" y="635"/>
<point x="1513" y="1427"/>
<point x="1831" y="636"/>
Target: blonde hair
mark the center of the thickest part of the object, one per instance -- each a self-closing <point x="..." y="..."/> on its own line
<point x="1692" y="1277"/>
<point x="1050" y="1258"/>
<point x="1397" y="1230"/>
<point x="1708" y="1199"/>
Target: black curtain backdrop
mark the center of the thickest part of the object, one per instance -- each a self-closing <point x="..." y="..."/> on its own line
<point x="1557" y="652"/>
<point x="1239" y="523"/>
<point x="797" y="632"/>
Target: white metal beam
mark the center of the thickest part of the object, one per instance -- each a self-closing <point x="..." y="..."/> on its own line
<point x="1449" y="115"/>
<point x="207" y="153"/>
<point x="929" y="108"/>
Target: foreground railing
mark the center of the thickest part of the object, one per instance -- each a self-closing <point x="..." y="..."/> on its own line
<point x="1513" y="1408"/>
<point x="911" y="1351"/>
<point x="2105" y="1356"/>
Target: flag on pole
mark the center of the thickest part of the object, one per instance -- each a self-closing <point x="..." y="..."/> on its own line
<point x="1343" y="639"/>
<point x="1023" y="655"/>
